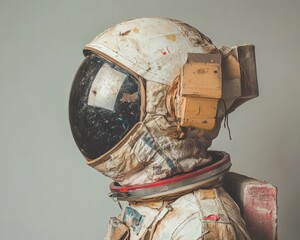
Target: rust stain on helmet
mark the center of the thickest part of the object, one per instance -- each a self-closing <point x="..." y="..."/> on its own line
<point x="127" y="97"/>
<point x="136" y="30"/>
<point x="171" y="37"/>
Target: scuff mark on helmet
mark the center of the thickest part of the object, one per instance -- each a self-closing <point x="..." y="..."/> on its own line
<point x="125" y="33"/>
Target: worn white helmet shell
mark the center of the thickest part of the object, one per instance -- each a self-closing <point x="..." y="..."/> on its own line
<point x="153" y="48"/>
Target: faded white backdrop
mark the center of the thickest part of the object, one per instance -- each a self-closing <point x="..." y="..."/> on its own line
<point x="47" y="191"/>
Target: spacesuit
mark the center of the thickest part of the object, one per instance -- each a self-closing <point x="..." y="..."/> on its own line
<point x="145" y="105"/>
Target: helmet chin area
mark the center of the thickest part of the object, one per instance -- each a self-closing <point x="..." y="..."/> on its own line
<point x="104" y="106"/>
<point x="180" y="184"/>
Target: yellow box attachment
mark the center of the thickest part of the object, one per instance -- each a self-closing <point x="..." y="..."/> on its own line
<point x="200" y="90"/>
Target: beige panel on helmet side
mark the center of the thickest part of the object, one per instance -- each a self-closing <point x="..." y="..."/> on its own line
<point x="200" y="91"/>
<point x="198" y="112"/>
<point x="202" y="79"/>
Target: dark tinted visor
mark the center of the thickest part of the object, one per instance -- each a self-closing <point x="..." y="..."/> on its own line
<point x="104" y="105"/>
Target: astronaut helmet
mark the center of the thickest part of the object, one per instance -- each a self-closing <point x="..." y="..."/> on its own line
<point x="149" y="98"/>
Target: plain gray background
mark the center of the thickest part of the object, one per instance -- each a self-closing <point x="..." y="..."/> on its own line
<point x="47" y="191"/>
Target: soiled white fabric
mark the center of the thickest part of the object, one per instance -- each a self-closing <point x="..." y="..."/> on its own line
<point x="150" y="154"/>
<point x="205" y="214"/>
